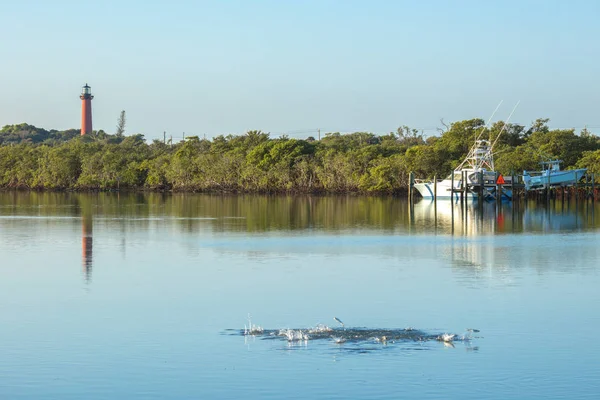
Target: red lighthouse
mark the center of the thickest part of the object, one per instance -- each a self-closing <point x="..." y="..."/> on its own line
<point x="86" y="109"/>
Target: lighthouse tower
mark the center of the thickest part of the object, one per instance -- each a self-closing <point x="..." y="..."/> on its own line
<point x="86" y="109"/>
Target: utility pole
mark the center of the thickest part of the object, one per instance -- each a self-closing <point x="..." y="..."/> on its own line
<point x="319" y="134"/>
<point x="165" y="137"/>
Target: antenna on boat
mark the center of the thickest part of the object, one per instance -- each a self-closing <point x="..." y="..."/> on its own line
<point x="506" y="123"/>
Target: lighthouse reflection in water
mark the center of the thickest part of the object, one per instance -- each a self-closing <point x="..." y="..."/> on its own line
<point x="87" y="245"/>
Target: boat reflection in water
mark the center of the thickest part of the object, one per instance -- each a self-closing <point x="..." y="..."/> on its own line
<point x="472" y="235"/>
<point x="560" y="217"/>
<point x="471" y="218"/>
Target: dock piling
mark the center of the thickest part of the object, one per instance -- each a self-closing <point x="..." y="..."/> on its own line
<point x="512" y="185"/>
<point x="411" y="186"/>
<point x="481" y="183"/>
<point x="452" y="187"/>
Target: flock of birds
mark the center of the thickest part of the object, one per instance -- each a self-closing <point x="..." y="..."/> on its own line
<point x="340" y="336"/>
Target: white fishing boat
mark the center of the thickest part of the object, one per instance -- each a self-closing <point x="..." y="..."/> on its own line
<point x="551" y="175"/>
<point x="479" y="162"/>
<point x="480" y="159"/>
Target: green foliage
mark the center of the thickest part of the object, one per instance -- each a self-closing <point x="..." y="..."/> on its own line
<point x="562" y="144"/>
<point x="427" y="161"/>
<point x="516" y="160"/>
<point x="59" y="167"/>
<point x="591" y="161"/>
<point x="33" y="158"/>
<point x="457" y="140"/>
<point x="121" y="121"/>
<point x="25" y="133"/>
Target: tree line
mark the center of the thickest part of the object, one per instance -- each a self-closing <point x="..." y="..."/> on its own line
<point x="361" y="162"/>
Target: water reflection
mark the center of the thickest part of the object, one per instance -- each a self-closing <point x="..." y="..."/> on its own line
<point x="460" y="233"/>
<point x="87" y="242"/>
<point x="475" y="219"/>
<point x="293" y="260"/>
<point x="219" y="213"/>
<point x="479" y="243"/>
<point x="502" y="259"/>
<point x="337" y="214"/>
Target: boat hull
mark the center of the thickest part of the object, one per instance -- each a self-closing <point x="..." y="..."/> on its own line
<point x="553" y="178"/>
<point x="428" y="191"/>
<point x="443" y="190"/>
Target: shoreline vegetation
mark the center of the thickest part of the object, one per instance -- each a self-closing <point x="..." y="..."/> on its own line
<point x="33" y="158"/>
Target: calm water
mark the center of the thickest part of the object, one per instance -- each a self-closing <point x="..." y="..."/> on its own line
<point x="146" y="297"/>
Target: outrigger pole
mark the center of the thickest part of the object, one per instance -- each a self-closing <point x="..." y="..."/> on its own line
<point x="489" y="120"/>
<point x="474" y="147"/>
<point x="505" y="123"/>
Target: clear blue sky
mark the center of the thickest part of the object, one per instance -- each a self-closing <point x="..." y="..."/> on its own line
<point x="212" y="67"/>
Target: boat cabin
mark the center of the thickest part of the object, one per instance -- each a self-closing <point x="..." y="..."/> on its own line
<point x="551" y="166"/>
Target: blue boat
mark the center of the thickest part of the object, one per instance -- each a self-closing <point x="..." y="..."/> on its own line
<point x="551" y="175"/>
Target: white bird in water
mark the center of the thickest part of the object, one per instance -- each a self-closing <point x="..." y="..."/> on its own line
<point x="339" y="320"/>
